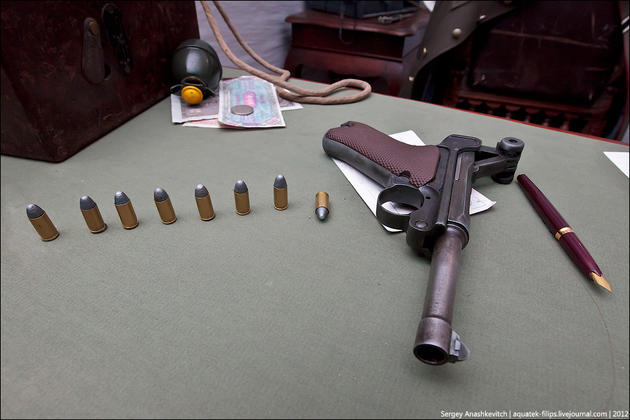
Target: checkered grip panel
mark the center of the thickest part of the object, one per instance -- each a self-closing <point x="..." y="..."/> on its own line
<point x="418" y="163"/>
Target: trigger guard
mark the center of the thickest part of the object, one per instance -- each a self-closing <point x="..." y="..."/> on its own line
<point x="401" y="194"/>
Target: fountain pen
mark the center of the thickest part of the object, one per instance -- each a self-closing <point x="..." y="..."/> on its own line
<point x="562" y="232"/>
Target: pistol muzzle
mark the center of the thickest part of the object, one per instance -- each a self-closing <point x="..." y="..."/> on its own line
<point x="436" y="342"/>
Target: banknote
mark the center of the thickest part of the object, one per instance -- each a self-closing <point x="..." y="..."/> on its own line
<point x="255" y="92"/>
<point x="182" y="112"/>
<point x="213" y="123"/>
<point x="208" y="110"/>
<point x="287" y="105"/>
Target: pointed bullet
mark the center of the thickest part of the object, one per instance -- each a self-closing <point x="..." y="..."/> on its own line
<point x="241" y="198"/>
<point x="280" y="198"/>
<point x="41" y="222"/>
<point x="204" y="204"/>
<point x="33" y="211"/>
<point x="92" y="215"/>
<point x="125" y="210"/>
<point x="321" y="205"/>
<point x="164" y="206"/>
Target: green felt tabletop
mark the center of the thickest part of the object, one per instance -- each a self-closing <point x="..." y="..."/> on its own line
<point x="276" y="314"/>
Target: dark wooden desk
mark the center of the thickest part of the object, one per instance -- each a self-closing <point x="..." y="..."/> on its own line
<point x="378" y="53"/>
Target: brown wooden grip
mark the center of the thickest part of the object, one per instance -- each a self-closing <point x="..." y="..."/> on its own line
<point x="418" y="163"/>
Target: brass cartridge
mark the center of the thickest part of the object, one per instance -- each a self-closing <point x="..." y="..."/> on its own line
<point x="92" y="215"/>
<point x="125" y="210"/>
<point x="321" y="205"/>
<point x="204" y="204"/>
<point x="241" y="198"/>
<point x="41" y="222"/>
<point x="280" y="198"/>
<point x="164" y="206"/>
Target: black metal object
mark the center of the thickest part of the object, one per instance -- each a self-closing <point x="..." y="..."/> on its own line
<point x="195" y="63"/>
<point x="439" y="225"/>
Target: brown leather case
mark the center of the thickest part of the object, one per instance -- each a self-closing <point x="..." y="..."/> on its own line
<point x="67" y="80"/>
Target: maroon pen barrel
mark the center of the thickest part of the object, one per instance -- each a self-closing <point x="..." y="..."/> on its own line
<point x="547" y="212"/>
<point x="578" y="253"/>
<point x="561" y="230"/>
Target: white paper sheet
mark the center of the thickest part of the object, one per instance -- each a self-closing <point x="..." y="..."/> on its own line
<point x="620" y="159"/>
<point x="369" y="190"/>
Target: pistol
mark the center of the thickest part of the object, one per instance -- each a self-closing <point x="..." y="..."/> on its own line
<point x="436" y="182"/>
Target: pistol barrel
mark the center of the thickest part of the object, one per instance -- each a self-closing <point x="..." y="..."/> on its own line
<point x="436" y="342"/>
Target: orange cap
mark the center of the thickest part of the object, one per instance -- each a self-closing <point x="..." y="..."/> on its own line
<point x="192" y="95"/>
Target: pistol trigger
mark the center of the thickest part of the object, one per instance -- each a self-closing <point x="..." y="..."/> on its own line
<point x="458" y="351"/>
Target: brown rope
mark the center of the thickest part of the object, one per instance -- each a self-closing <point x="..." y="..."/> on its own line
<point x="292" y="92"/>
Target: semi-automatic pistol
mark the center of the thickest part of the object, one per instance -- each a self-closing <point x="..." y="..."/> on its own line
<point x="436" y="181"/>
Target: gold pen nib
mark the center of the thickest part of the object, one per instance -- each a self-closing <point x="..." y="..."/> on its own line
<point x="601" y="281"/>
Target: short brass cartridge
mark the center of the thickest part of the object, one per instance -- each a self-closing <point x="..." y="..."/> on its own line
<point x="204" y="204"/>
<point x="41" y="222"/>
<point x="280" y="197"/>
<point x="92" y="215"/>
<point x="164" y="206"/>
<point x="125" y="210"/>
<point x="321" y="205"/>
<point x="241" y="198"/>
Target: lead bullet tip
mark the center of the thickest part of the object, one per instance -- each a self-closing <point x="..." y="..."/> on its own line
<point x="86" y="202"/>
<point x="160" y="195"/>
<point x="201" y="191"/>
<point x="322" y="213"/>
<point x="280" y="182"/>
<point x="33" y="211"/>
<point x="120" y="198"/>
<point x="240" y="187"/>
<point x="601" y="281"/>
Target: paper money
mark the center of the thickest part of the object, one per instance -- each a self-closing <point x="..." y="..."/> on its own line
<point x="205" y="114"/>
<point x="255" y="92"/>
<point x="287" y="105"/>
<point x="196" y="118"/>
<point x="182" y="112"/>
<point x="213" y="123"/>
